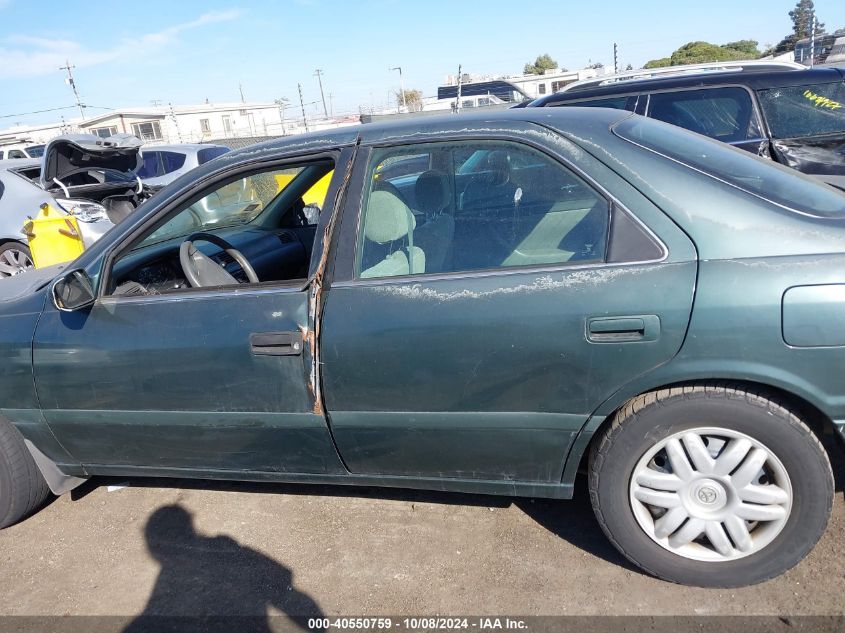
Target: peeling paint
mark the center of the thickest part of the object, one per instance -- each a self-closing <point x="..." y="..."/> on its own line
<point x="545" y="283"/>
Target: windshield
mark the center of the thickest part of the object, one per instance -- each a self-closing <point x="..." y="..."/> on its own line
<point x="802" y="111"/>
<point x="760" y="177"/>
<point x="35" y="151"/>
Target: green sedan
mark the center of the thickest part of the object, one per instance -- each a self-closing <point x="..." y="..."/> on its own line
<point x="485" y="303"/>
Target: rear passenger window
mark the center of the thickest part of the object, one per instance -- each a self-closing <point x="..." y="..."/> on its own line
<point x="473" y="206"/>
<point x="725" y="114"/>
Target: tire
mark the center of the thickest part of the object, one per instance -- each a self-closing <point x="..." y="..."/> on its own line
<point x="14" y="258"/>
<point x="22" y="488"/>
<point x="627" y="458"/>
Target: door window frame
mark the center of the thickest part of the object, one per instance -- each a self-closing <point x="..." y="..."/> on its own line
<point x="341" y="157"/>
<point x="344" y="256"/>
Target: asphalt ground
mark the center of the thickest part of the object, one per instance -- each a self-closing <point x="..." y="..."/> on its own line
<point x="186" y="548"/>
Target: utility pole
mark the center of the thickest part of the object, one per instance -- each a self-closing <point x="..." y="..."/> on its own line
<point x="241" y="90"/>
<point x="319" y="75"/>
<point x="302" y="105"/>
<point x="69" y="81"/>
<point x="615" y="58"/>
<point x="460" y="82"/>
<point x="175" y="122"/>
<point x="282" y="102"/>
<point x="402" y="88"/>
<point x="812" y="39"/>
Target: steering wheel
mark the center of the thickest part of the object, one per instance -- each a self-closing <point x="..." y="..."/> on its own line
<point x="201" y="270"/>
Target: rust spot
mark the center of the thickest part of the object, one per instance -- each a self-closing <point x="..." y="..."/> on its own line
<point x="312" y="337"/>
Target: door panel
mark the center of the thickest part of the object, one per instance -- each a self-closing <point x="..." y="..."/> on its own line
<point x="172" y="382"/>
<point x="487" y="376"/>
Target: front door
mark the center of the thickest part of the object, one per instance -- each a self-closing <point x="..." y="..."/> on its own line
<point x="491" y="305"/>
<point x="212" y="377"/>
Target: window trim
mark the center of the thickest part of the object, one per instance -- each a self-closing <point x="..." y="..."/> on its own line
<point x="352" y="278"/>
<point x="195" y="193"/>
<point x="755" y="108"/>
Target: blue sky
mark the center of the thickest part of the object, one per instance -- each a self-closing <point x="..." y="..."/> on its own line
<point x="129" y="53"/>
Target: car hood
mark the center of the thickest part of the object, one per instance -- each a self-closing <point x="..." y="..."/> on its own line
<point x="72" y="153"/>
<point x="26" y="283"/>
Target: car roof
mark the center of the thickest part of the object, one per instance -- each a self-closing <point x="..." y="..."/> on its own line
<point x="406" y="129"/>
<point x="180" y="147"/>
<point x="754" y="79"/>
<point x="19" y="163"/>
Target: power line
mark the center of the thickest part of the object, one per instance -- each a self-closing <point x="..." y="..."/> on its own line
<point x="9" y="116"/>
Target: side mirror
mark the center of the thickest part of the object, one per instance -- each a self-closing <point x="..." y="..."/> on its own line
<point x="73" y="291"/>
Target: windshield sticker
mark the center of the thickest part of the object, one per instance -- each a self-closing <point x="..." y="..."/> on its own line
<point x="820" y="101"/>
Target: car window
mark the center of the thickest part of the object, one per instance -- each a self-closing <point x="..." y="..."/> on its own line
<point x="209" y="153"/>
<point x="35" y="151"/>
<point x="235" y="203"/>
<point x="171" y="161"/>
<point x="781" y="185"/>
<point x="16" y="153"/>
<point x="477" y="205"/>
<point x="151" y="165"/>
<point x="725" y="114"/>
<point x="802" y="111"/>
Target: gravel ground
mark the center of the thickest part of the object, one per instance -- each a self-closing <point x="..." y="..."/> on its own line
<point x="183" y="548"/>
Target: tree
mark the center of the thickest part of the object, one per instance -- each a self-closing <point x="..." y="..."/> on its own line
<point x="801" y="16"/>
<point x="543" y="63"/>
<point x="413" y="99"/>
<point x="703" y="52"/>
<point x="595" y="65"/>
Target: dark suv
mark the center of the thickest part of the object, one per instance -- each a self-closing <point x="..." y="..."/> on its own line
<point x="791" y="114"/>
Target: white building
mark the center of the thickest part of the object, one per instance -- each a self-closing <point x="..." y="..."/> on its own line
<point x="179" y="124"/>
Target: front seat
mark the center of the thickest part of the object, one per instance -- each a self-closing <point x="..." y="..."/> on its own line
<point x="431" y="193"/>
<point x="389" y="221"/>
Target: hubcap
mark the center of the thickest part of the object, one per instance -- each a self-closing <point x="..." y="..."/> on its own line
<point x="13" y="262"/>
<point x="711" y="494"/>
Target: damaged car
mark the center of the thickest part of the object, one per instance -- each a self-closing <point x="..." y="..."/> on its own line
<point x="88" y="177"/>
<point x="784" y="111"/>
<point x="546" y="292"/>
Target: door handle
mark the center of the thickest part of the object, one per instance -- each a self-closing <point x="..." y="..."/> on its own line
<point x="626" y="329"/>
<point x="276" y="343"/>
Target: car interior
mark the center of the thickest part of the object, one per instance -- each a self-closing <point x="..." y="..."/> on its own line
<point x="250" y="229"/>
<point x="478" y="207"/>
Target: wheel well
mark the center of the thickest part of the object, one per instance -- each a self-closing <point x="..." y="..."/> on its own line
<point x="818" y="422"/>
<point x="7" y="240"/>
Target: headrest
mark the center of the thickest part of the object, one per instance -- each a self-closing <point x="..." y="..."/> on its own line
<point x="432" y="191"/>
<point x="499" y="163"/>
<point x="388" y="218"/>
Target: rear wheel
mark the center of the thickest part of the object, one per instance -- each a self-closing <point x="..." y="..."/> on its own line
<point x="711" y="485"/>
<point x="22" y="488"/>
<point x="15" y="258"/>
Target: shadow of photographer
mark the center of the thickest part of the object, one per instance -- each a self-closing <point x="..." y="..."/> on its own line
<point x="212" y="583"/>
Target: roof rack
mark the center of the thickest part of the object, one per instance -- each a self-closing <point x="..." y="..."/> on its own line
<point x="756" y="65"/>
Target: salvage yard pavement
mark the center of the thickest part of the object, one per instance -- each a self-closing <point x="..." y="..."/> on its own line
<point x="193" y="547"/>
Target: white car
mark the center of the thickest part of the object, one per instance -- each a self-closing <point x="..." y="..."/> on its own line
<point x="162" y="164"/>
<point x="21" y="151"/>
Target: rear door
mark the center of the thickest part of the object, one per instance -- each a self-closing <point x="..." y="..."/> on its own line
<point x="469" y="332"/>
